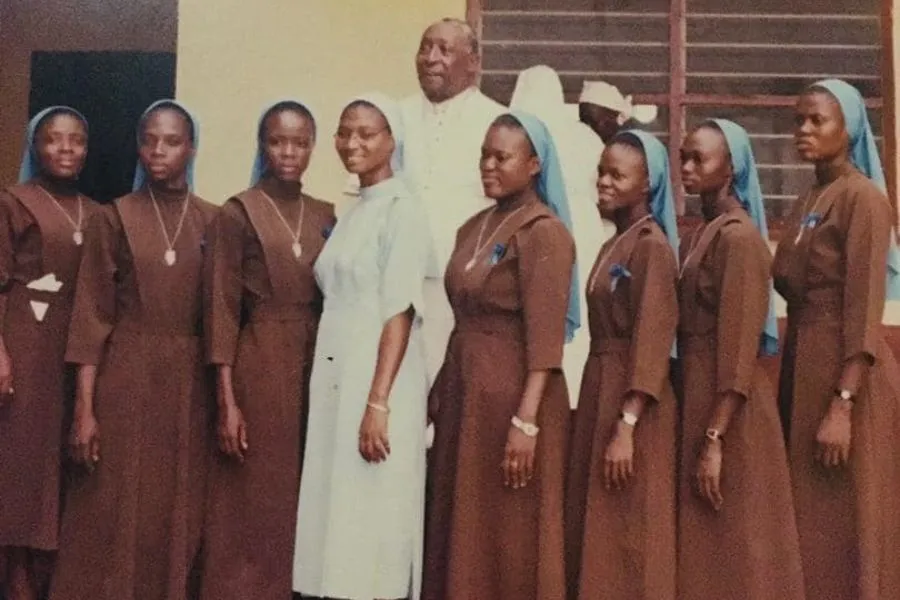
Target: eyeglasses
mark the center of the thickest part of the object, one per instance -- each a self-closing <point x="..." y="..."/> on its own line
<point x="345" y="136"/>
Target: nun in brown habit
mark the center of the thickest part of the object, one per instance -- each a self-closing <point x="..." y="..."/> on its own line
<point x="737" y="537"/>
<point x="500" y="406"/>
<point x="839" y="379"/>
<point x="262" y="312"/>
<point x="132" y="522"/>
<point x="620" y="489"/>
<point x="42" y="221"/>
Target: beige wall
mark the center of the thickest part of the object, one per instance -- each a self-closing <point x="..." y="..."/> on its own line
<point x="240" y="56"/>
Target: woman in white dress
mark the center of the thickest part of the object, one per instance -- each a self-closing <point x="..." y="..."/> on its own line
<point x="360" y="514"/>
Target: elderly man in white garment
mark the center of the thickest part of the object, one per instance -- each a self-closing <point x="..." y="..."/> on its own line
<point x="445" y="124"/>
<point x="580" y="137"/>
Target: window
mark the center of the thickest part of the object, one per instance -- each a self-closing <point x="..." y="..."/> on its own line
<point x="745" y="60"/>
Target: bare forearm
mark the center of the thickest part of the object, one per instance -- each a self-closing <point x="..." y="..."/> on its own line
<point x="224" y="396"/>
<point x="634" y="403"/>
<point x="853" y="372"/>
<point x="84" y="393"/>
<point x="535" y="384"/>
<point x="729" y="404"/>
<point x="391" y="350"/>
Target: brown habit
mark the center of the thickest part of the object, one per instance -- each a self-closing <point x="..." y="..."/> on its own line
<point x="263" y="313"/>
<point x="833" y="279"/>
<point x="131" y="529"/>
<point x="36" y="240"/>
<point x="620" y="544"/>
<point x="749" y="549"/>
<point x="484" y="540"/>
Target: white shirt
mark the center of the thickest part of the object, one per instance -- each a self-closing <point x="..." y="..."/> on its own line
<point x="441" y="151"/>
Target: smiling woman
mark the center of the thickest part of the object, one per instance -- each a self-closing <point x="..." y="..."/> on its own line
<point x="42" y="222"/>
<point x="359" y="518"/>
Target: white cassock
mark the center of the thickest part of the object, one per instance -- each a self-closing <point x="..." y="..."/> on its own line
<point x="539" y="92"/>
<point x="441" y="151"/>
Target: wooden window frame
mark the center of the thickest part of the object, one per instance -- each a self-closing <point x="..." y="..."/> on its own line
<point x="678" y="100"/>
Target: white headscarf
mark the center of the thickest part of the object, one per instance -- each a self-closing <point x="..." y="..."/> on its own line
<point x="608" y="96"/>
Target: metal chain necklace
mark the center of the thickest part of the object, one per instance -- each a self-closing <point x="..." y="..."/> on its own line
<point x="170" y="256"/>
<point x="296" y="247"/>
<point x="609" y="253"/>
<point x="77" y="236"/>
<point x="479" y="247"/>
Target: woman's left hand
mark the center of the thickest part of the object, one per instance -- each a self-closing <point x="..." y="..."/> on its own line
<point x="374" y="445"/>
<point x="709" y="473"/>
<point x="518" y="459"/>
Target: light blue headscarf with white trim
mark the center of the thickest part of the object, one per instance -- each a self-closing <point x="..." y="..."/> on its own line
<point x="864" y="156"/>
<point x="140" y="173"/>
<point x="552" y="190"/>
<point x="259" y="161"/>
<point x="390" y="110"/>
<point x="745" y="184"/>
<point x="662" y="197"/>
<point x="31" y="164"/>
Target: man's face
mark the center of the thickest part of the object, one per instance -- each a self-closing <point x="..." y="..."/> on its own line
<point x="445" y="62"/>
<point x="604" y="121"/>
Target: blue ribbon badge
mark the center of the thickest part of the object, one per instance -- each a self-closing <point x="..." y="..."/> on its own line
<point x="498" y="253"/>
<point x="808" y="222"/>
<point x="617" y="272"/>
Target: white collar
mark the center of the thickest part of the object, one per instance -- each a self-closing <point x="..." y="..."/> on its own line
<point x="447" y="106"/>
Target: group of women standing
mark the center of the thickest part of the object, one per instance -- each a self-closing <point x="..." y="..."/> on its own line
<point x="307" y="471"/>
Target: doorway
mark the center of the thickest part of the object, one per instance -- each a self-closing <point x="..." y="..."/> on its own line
<point x="111" y="89"/>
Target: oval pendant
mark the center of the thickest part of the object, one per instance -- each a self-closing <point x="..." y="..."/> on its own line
<point x="169" y="257"/>
<point x="297" y="249"/>
<point x="470" y="265"/>
<point x="78" y="238"/>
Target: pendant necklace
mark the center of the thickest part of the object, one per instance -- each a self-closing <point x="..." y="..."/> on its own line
<point x="479" y="247"/>
<point x="609" y="253"/>
<point x="169" y="257"/>
<point x="296" y="248"/>
<point x="77" y="236"/>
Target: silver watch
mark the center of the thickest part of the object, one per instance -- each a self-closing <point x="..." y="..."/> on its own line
<point x="629" y="418"/>
<point x="529" y="429"/>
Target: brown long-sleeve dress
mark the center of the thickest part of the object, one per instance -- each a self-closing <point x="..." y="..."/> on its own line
<point x="36" y="240"/>
<point x="131" y="529"/>
<point x="749" y="549"/>
<point x="833" y="279"/>
<point x="484" y="540"/>
<point x="263" y="313"/>
<point x="620" y="544"/>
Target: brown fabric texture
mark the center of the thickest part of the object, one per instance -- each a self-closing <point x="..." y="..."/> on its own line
<point x="35" y="240"/>
<point x="833" y="278"/>
<point x="621" y="543"/>
<point x="484" y="540"/>
<point x="131" y="529"/>
<point x="749" y="549"/>
<point x="264" y="308"/>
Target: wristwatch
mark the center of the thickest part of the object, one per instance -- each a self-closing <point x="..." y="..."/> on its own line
<point x="629" y="419"/>
<point x="714" y="435"/>
<point x="529" y="429"/>
<point x="845" y="395"/>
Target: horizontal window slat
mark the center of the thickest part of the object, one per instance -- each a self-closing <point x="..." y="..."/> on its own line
<point x="633" y="59"/>
<point x="792" y="31"/>
<point x="773" y="84"/>
<point x="787" y="61"/>
<point x="575" y="28"/>
<point x="577" y="5"/>
<point x="500" y="84"/>
<point x="802" y="7"/>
